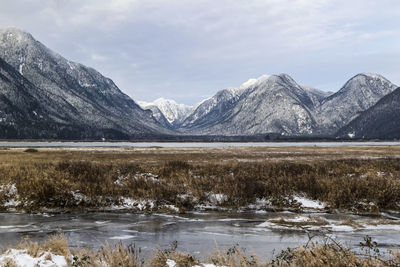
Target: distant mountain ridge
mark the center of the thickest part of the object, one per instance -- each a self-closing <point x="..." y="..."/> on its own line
<point x="45" y="96"/>
<point x="277" y="104"/>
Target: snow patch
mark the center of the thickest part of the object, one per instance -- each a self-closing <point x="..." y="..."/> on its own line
<point x="11" y="195"/>
<point x="23" y="259"/>
<point x="130" y="203"/>
<point x="79" y="197"/>
<point x="20" y="69"/>
<point x="309" y="203"/>
<point x="217" y="198"/>
<point x="171" y="263"/>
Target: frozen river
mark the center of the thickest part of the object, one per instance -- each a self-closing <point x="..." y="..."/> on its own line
<point x="197" y="233"/>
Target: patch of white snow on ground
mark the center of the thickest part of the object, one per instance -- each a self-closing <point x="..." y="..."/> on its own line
<point x="22" y="259"/>
<point x="130" y="203"/>
<point x="309" y="203"/>
<point x="217" y="198"/>
<point x="79" y="197"/>
<point x="172" y="208"/>
<point x="11" y="193"/>
<point x="171" y="263"/>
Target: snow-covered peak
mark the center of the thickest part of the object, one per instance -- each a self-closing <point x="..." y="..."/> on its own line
<point x="15" y="34"/>
<point x="252" y="82"/>
<point x="365" y="77"/>
<point x="373" y="75"/>
<point x="249" y="83"/>
<point x="168" y="102"/>
<point x="172" y="111"/>
<point x="368" y="81"/>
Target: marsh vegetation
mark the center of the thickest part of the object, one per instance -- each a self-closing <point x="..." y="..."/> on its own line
<point x="359" y="180"/>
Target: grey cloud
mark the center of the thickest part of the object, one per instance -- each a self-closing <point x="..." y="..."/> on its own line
<point x="186" y="50"/>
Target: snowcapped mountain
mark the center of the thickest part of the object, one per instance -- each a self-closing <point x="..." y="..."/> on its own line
<point x="210" y="110"/>
<point x="167" y="109"/>
<point x="269" y="104"/>
<point x="381" y="121"/>
<point x="357" y="95"/>
<point x="75" y="95"/>
<point x="277" y="104"/>
<point x="157" y="113"/>
<point x="43" y="95"/>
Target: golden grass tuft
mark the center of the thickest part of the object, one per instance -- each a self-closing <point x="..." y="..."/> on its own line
<point x="118" y="255"/>
<point x="181" y="259"/>
<point x="235" y="257"/>
<point x="56" y="244"/>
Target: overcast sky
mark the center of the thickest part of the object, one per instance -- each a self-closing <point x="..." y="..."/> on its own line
<point x="189" y="49"/>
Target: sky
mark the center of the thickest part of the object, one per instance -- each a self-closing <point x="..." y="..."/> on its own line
<point x="187" y="50"/>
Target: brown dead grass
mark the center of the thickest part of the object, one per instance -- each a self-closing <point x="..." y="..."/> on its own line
<point x="56" y="244"/>
<point x="329" y="253"/>
<point x="336" y="176"/>
<point x="111" y="256"/>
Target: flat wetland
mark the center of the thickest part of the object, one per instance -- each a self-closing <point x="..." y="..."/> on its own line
<point x="156" y="155"/>
<point x="360" y="179"/>
<point x="262" y="198"/>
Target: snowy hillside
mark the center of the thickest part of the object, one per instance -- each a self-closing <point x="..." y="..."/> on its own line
<point x="269" y="104"/>
<point x="74" y="95"/>
<point x="357" y="95"/>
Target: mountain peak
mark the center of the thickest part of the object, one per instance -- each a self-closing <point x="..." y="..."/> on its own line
<point x="162" y="100"/>
<point x="370" y="81"/>
<point x="357" y="95"/>
<point x="368" y="75"/>
<point x="171" y="110"/>
<point x="16" y="34"/>
<point x="253" y="81"/>
<point x="92" y="105"/>
<point x="381" y="121"/>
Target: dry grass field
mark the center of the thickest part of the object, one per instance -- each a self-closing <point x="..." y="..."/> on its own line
<point x="356" y="179"/>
